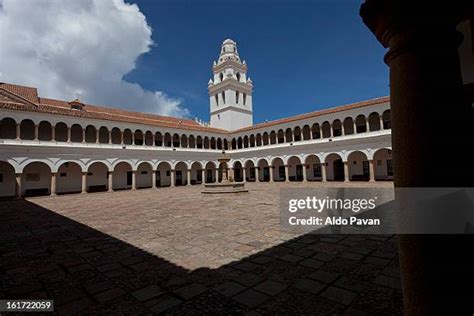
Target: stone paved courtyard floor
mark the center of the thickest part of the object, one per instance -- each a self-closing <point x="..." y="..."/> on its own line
<point x="177" y="251"/>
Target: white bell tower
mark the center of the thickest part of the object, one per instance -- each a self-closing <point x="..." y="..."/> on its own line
<point x="230" y="91"/>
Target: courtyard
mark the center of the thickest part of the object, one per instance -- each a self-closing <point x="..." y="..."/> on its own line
<point x="177" y="251"/>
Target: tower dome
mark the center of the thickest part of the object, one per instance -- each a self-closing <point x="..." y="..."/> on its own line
<point x="229" y="52"/>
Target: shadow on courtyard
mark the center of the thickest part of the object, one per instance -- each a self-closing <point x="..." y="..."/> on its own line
<point x="46" y="255"/>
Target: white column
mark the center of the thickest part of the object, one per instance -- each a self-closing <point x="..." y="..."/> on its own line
<point x="203" y="176"/>
<point x="36" y="132"/>
<point x="381" y="122"/>
<point x="217" y="175"/>
<point x="371" y="171"/>
<point x="153" y="179"/>
<point x="111" y="181"/>
<point x="18" y="185"/>
<point x="323" y="172"/>
<point x="18" y="131"/>
<point x="257" y="174"/>
<point x="245" y="173"/>
<point x="83" y="135"/>
<point x="270" y="172"/>
<point x="84" y="183"/>
<point x="304" y="173"/>
<point x="134" y="180"/>
<point x="346" y="171"/>
<point x="172" y="177"/>
<point x="96" y="136"/>
<point x="53" y="133"/>
<point x="287" y="173"/>
<point x="53" y="184"/>
<point x="110" y="136"/>
<point x="188" y="178"/>
<point x="68" y="134"/>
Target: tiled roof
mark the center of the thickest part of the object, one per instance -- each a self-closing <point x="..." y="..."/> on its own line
<point x="341" y="108"/>
<point x="52" y="106"/>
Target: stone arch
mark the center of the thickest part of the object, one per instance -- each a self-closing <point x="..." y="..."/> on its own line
<point x="206" y="142"/>
<point x="361" y="124"/>
<point x="199" y="142"/>
<point x="149" y="138"/>
<point x="45" y="131"/>
<point x="348" y="126"/>
<point x="60" y="132"/>
<point x="374" y="122"/>
<point x="316" y="131"/>
<point x="278" y="169"/>
<point x="258" y="140"/>
<point x="326" y="129"/>
<point x="191" y="141"/>
<point x="103" y="135"/>
<point x="246" y="141"/>
<point x="210" y="172"/>
<point x="91" y="134"/>
<point x="184" y="141"/>
<point x="250" y="171"/>
<point x="288" y="135"/>
<point x="238" y="171"/>
<point x="306" y="132"/>
<point x="313" y="168"/>
<point x="163" y="174"/>
<point x="383" y="164"/>
<point x="213" y="143"/>
<point x="176" y="141"/>
<point x="273" y="138"/>
<point x="97" y="176"/>
<point x="280" y="136"/>
<point x="122" y="176"/>
<point x="181" y="173"/>
<point x="8" y="180"/>
<point x="295" y="169"/>
<point x="263" y="170"/>
<point x="158" y="139"/>
<point x="297" y="134"/>
<point x="138" y="138"/>
<point x="36" y="179"/>
<point x="234" y="144"/>
<point x="76" y="133"/>
<point x="69" y="178"/>
<point x="144" y="175"/>
<point x="116" y="136"/>
<point x="196" y="173"/>
<point x="27" y="129"/>
<point x="265" y="139"/>
<point x="7" y="128"/>
<point x="239" y="143"/>
<point x="167" y="141"/>
<point x="252" y="140"/>
<point x="358" y="166"/>
<point x="336" y="128"/>
<point x="334" y="167"/>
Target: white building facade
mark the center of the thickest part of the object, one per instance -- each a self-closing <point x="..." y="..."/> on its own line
<point x="50" y="147"/>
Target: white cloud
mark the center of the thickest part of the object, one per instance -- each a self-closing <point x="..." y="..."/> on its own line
<point x="79" y="48"/>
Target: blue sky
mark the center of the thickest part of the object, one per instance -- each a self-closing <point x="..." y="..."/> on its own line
<point x="302" y="55"/>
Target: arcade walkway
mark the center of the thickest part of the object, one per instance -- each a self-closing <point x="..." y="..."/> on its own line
<point x="184" y="253"/>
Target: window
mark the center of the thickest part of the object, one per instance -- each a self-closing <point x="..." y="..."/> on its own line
<point x="245" y="98"/>
<point x="221" y="76"/>
<point x="238" y="76"/>
<point x="223" y="97"/>
<point x="218" y="116"/>
<point x="317" y="170"/>
<point x="217" y="99"/>
<point x="237" y="97"/>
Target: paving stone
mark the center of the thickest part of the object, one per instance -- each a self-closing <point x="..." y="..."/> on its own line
<point x="147" y="293"/>
<point x="308" y="285"/>
<point x="164" y="304"/>
<point x="251" y="298"/>
<point x="351" y="284"/>
<point x="191" y="290"/>
<point x="339" y="295"/>
<point x="292" y="258"/>
<point x="377" y="261"/>
<point x="311" y="263"/>
<point x="261" y="259"/>
<point x="109" y="295"/>
<point x="249" y="279"/>
<point x="326" y="257"/>
<point x="270" y="287"/>
<point x="387" y="281"/>
<point x="324" y="276"/>
<point x="229" y="288"/>
<point x="246" y="266"/>
<point x="351" y="256"/>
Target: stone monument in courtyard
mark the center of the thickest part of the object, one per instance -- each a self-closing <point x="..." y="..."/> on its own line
<point x="227" y="184"/>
